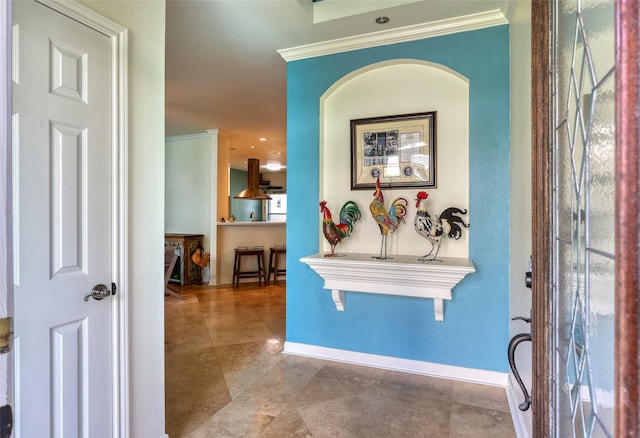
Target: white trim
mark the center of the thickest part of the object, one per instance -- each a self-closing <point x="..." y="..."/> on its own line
<point x="119" y="44"/>
<point x="515" y="397"/>
<point x="77" y="11"/>
<point x="213" y="209"/>
<point x="121" y="359"/>
<point x="399" y="35"/>
<point x="190" y="136"/>
<point x="507" y="8"/>
<point x="485" y="377"/>
<point x="6" y="246"/>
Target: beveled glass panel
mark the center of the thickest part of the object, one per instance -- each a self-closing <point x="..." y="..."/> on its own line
<point x="563" y="428"/>
<point x="565" y="281"/>
<point x="584" y="183"/>
<point x="601" y="169"/>
<point x="565" y="42"/>
<point x="565" y="187"/>
<point x="601" y="337"/>
<point x="597" y="18"/>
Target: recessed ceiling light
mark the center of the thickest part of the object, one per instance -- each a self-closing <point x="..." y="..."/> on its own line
<point x="262" y="139"/>
<point x="382" y="20"/>
<point x="273" y="166"/>
<point x="278" y="153"/>
<point x="252" y="147"/>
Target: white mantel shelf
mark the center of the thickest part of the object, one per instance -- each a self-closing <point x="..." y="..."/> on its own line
<point x="401" y="275"/>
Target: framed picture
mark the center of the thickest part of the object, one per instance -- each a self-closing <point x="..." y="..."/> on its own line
<point x="401" y="150"/>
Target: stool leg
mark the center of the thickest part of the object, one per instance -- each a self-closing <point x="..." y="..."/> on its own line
<point x="265" y="274"/>
<point x="275" y="266"/>
<point x="259" y="269"/>
<point x="235" y="269"/>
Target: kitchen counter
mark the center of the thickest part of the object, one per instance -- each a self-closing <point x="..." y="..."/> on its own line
<point x="234" y="234"/>
<point x="256" y="223"/>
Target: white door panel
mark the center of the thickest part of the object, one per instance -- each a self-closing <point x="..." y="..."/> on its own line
<point x="63" y="225"/>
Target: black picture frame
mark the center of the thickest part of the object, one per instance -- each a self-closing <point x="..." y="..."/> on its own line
<point x="400" y="149"/>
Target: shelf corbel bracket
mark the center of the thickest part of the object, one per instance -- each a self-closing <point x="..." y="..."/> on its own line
<point x="338" y="298"/>
<point x="438" y="309"/>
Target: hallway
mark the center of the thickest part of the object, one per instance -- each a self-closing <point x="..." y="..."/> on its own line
<point x="226" y="376"/>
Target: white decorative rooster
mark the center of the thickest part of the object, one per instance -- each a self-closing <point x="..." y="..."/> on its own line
<point x="447" y="224"/>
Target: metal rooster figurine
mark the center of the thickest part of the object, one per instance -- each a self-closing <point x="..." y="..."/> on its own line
<point x="447" y="224"/>
<point x="387" y="221"/>
<point x="335" y="233"/>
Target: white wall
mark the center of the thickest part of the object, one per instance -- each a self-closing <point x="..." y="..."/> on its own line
<point x="188" y="188"/>
<point x="520" y="296"/>
<point x="411" y="86"/>
<point x="146" y="24"/>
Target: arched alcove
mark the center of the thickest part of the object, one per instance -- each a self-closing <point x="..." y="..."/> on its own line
<point x="401" y="86"/>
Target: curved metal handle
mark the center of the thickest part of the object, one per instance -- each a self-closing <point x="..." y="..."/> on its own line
<point x="511" y="353"/>
<point x="98" y="292"/>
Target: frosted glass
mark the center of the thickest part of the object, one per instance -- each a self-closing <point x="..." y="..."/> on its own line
<point x="584" y="185"/>
<point x="601" y="169"/>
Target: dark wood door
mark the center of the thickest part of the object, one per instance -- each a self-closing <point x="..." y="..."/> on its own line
<point x="547" y="409"/>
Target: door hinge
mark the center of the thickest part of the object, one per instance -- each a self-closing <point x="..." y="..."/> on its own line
<point x="6" y="334"/>
<point x="6" y="421"/>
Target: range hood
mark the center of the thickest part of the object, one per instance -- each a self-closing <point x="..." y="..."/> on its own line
<point x="253" y="182"/>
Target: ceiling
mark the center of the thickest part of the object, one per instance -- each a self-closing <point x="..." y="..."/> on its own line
<point x="223" y="70"/>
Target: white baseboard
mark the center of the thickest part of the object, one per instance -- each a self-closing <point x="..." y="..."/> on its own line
<point x="472" y="375"/>
<point x="521" y="420"/>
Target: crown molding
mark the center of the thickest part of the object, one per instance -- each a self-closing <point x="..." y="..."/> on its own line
<point x="208" y="134"/>
<point x="507" y="8"/>
<point x="399" y="35"/>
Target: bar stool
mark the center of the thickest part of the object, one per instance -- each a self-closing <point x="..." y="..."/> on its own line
<point x="242" y="251"/>
<point x="274" y="253"/>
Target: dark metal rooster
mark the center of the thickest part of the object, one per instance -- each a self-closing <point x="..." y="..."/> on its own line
<point x="335" y="233"/>
<point x="447" y="224"/>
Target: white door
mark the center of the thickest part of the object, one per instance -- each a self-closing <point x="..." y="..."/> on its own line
<point x="62" y="162"/>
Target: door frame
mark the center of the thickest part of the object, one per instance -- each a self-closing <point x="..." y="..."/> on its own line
<point x="541" y="211"/>
<point x="6" y="245"/>
<point x="627" y="214"/>
<point x="120" y="328"/>
<point x="627" y="347"/>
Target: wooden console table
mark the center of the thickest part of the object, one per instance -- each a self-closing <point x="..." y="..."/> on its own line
<point x="185" y="245"/>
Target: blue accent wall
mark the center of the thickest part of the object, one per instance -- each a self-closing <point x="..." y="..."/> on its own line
<point x="475" y="332"/>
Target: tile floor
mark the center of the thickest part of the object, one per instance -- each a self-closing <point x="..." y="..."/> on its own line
<point x="226" y="376"/>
